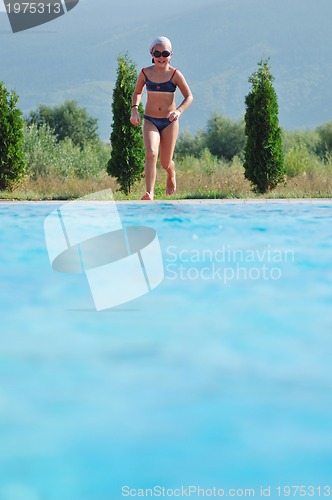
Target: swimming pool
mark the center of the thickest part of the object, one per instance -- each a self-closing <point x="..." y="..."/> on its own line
<point x="220" y="377"/>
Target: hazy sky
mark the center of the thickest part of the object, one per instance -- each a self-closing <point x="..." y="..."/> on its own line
<point x="217" y="45"/>
<point x="133" y="3"/>
<point x="2" y="4"/>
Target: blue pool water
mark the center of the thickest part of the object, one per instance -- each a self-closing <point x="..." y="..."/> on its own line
<point x="218" y="378"/>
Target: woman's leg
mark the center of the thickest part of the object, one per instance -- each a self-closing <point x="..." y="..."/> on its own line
<point x="168" y="139"/>
<point x="151" y="142"/>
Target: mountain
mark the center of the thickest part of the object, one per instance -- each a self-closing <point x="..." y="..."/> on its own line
<point x="217" y="45"/>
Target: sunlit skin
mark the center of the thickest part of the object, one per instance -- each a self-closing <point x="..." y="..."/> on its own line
<point x="160" y="105"/>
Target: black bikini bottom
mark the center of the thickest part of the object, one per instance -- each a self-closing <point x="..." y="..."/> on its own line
<point x="160" y="123"/>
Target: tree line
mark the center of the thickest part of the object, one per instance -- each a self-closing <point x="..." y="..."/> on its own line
<point x="36" y="144"/>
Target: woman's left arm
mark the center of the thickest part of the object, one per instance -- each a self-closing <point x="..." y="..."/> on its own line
<point x="188" y="98"/>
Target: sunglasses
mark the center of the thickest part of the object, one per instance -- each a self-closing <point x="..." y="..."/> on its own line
<point x="164" y="53"/>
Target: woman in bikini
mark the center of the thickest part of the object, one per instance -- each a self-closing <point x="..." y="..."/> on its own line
<point x="161" y="126"/>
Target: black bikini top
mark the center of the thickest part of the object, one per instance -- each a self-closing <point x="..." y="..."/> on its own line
<point x="168" y="86"/>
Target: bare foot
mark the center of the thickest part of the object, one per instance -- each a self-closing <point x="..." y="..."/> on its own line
<point x="171" y="182"/>
<point x="147" y="196"/>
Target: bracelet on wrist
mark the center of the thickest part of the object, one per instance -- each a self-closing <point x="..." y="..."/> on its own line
<point x="135" y="106"/>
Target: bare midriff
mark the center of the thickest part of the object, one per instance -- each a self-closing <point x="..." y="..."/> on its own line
<point x="159" y="104"/>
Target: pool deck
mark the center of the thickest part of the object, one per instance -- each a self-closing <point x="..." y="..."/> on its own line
<point x="233" y="201"/>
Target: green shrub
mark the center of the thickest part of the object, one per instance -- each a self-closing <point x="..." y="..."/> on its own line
<point x="67" y="120"/>
<point x="190" y="145"/>
<point x="328" y="163"/>
<point x="209" y="162"/>
<point x="12" y="165"/>
<point x="45" y="155"/>
<point x="297" y="160"/>
<point x="325" y="136"/>
<point x="264" y="159"/>
<point x="225" y="138"/>
<point x="127" y="156"/>
<point x="40" y="150"/>
<point x="309" y="138"/>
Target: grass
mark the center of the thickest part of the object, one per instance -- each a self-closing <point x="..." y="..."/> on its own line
<point x="195" y="180"/>
<point x="51" y="187"/>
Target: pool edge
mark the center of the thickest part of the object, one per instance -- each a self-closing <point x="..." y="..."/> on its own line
<point x="199" y="201"/>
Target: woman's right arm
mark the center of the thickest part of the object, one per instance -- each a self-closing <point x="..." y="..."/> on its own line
<point x="135" y="118"/>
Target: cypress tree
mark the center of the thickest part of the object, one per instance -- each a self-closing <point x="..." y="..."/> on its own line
<point x="127" y="154"/>
<point x="12" y="164"/>
<point x="264" y="160"/>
